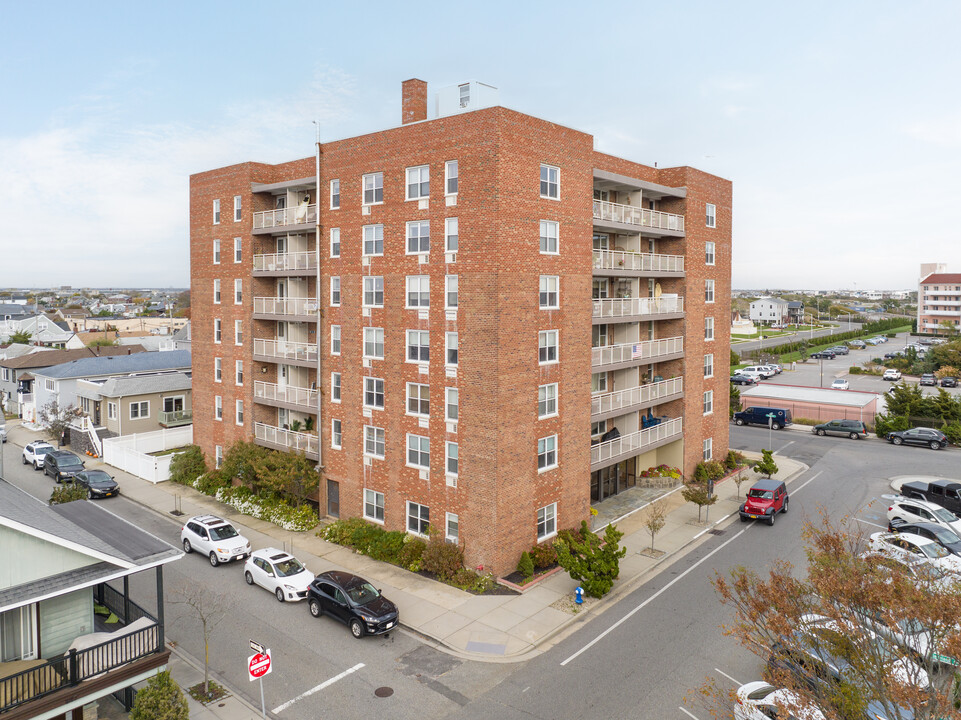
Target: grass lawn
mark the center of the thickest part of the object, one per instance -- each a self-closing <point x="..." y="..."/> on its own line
<point x="171" y="451"/>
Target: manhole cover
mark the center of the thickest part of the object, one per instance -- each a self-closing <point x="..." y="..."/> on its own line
<point x="384" y="692"/>
<point x="715" y="531"/>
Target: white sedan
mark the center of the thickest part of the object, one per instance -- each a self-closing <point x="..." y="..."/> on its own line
<point x="840" y="384"/>
<point x="34" y="453"/>
<point x="280" y="572"/>
<point x="912" y="548"/>
<point x="759" y="701"/>
<point x="891" y="374"/>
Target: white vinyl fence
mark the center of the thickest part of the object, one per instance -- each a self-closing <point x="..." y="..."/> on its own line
<point x="130" y="452"/>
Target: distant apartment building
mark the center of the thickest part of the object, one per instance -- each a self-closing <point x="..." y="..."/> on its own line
<point x="939" y="299"/>
<point x="473" y="322"/>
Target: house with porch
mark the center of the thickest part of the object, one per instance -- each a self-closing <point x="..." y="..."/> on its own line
<point x="71" y="630"/>
<point x="126" y="405"/>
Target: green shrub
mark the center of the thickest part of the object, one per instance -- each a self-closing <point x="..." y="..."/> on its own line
<point x="854" y="370"/>
<point x="187" y="466"/>
<point x="953" y="432"/>
<point x="594" y="565"/>
<point x="412" y="553"/>
<point x="340" y="531"/>
<point x="766" y="465"/>
<point x="211" y="482"/>
<point x="386" y="546"/>
<point x="441" y="557"/>
<point x="543" y="555"/>
<point x="160" y="699"/>
<point x="733" y="459"/>
<point x="464" y="578"/>
<point x="526" y="566"/>
<point x="67" y="493"/>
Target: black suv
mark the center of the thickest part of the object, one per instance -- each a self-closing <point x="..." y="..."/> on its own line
<point x="823" y="355"/>
<point x="353" y="601"/>
<point x="949" y="382"/>
<point x="934" y="439"/>
<point x="854" y="429"/>
<point x="62" y="465"/>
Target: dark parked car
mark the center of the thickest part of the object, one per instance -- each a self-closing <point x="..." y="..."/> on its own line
<point x="765" y="500"/>
<point x="945" y="493"/>
<point x="949" y="382"/>
<point x="353" y="601"/>
<point x="62" y="465"/>
<point x="893" y="355"/>
<point x="948" y="539"/>
<point x="854" y="429"/>
<point x="928" y="379"/>
<point x="823" y="355"/>
<point x="98" y="483"/>
<point x="739" y="379"/>
<point x="935" y="439"/>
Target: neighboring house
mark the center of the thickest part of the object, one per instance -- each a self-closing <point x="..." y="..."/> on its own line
<point x="43" y="330"/>
<point x="137" y="403"/>
<point x="15" y="311"/>
<point x="181" y="338"/>
<point x="939" y="301"/>
<point x="769" y="310"/>
<point x="16" y="374"/>
<point x="795" y="311"/>
<point x="65" y="569"/>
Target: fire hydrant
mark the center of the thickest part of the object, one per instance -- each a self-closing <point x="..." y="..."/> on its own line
<point x="579" y="595"/>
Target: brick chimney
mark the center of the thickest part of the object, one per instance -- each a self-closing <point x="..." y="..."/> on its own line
<point x="414" y="101"/>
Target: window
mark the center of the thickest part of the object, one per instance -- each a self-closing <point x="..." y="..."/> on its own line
<point x="218" y="369"/>
<point x="418" y="237"/>
<point x="464" y="94"/>
<point x="450" y="294"/>
<point x="708" y="402"/>
<point x="709" y="328"/>
<point x="418" y="451"/>
<point x="418" y="399"/>
<point x="709" y="365"/>
<point x="216" y="212"/>
<point x="598" y="428"/>
<point x="111" y="411"/>
<point x="335" y="339"/>
<point x="373" y="188"/>
<point x="238" y="291"/>
<point x="374" y="343"/>
<point x="335" y="242"/>
<point x="418" y="346"/>
<point x="450" y="176"/>
<point x="6" y="374"/>
<point x="216" y="252"/>
<point x="334" y="194"/>
<point x="374" y="393"/>
<point x="547" y="400"/>
<point x="238" y="332"/>
<point x="218" y="456"/>
<point x="373" y="291"/>
<point x="50" y="385"/>
<point x="711" y="215"/>
<point x="451" y="459"/>
<point x="140" y="410"/>
<point x="335" y="387"/>
<point x="708" y="253"/>
<point x="450" y="404"/>
<point x="550" y="182"/>
<point x="452" y="527"/>
<point x="547" y="346"/>
<point x="547" y="453"/>
<point x="708" y="449"/>
<point x="450" y="235"/>
<point x="237" y="208"/>
<point x="549" y="237"/>
<point x="708" y="291"/>
<point x="218" y="407"/>
<point x="418" y="182"/>
<point x="373" y="239"/>
<point x="550" y="291"/>
<point x="240" y="412"/>
<point x="217" y="330"/>
<point x="239" y="372"/>
<point x="217" y="291"/>
<point x="418" y="291"/>
<point x="374" y="442"/>
<point x="336" y="436"/>
<point x="599" y="382"/>
<point x="418" y="518"/>
<point x="450" y="342"/>
<point x="546" y="521"/>
<point x="374" y="504"/>
<point x="335" y="291"/>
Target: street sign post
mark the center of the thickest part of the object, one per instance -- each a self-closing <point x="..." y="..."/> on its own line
<point x="258" y="648"/>
<point x="770" y="425"/>
<point x="259" y="665"/>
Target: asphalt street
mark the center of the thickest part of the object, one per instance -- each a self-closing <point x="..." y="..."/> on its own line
<point x="744" y="347"/>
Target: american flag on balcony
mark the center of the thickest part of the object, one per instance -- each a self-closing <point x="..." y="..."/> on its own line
<point x="636" y="351"/>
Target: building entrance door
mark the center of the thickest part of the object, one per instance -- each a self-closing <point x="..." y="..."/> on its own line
<point x="333" y="498"/>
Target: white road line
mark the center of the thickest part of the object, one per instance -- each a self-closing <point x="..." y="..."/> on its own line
<point x="784" y="448"/>
<point x="736" y="682"/>
<point x="281" y="708"/>
<point x="809" y="480"/>
<point x="665" y="588"/>
<point x="690" y="715"/>
<point x="866" y="522"/>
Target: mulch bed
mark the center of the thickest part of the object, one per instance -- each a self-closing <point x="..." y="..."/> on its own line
<point x="520" y="579"/>
<point x="496" y="589"/>
<point x="215" y="692"/>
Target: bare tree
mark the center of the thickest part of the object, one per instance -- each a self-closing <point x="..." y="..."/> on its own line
<point x="56" y="419"/>
<point x="739" y="479"/>
<point x="208" y="607"/>
<point x="654" y="519"/>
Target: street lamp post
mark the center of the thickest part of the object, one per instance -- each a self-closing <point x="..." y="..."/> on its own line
<point x="770" y="431"/>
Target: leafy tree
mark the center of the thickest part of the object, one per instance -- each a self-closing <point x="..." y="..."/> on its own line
<point x="803" y="351"/>
<point x="21" y="336"/>
<point x="735" y="358"/>
<point x="654" y="519"/>
<point x="947" y="354"/>
<point x="187" y="466"/>
<point x="700" y="494"/>
<point x="67" y="493"/>
<point x="160" y="699"/>
<point x="286" y="474"/>
<point x="595" y="566"/>
<point x="766" y="465"/>
<point x="102" y="342"/>
<point x="735" y="400"/>
<point x="948" y="327"/>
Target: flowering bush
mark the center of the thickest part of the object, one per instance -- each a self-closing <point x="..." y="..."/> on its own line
<point x="280" y="513"/>
<point x="662" y="471"/>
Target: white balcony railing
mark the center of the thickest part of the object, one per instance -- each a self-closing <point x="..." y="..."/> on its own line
<point x="943" y="313"/>
<point x="626" y="307"/>
<point x="300" y="215"/>
<point x="302" y="397"/>
<point x="285" y="261"/>
<point x="650" y="350"/>
<point x="285" y="306"/>
<point x="635" y="442"/>
<point x="298" y="441"/>
<point x="642" y="217"/>
<point x="284" y="350"/>
<point x="644" y="262"/>
<point x="631" y="397"/>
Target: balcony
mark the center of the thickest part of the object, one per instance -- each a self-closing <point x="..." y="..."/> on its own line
<point x="637" y="219"/>
<point x="619" y="262"/>
<point x="620" y="402"/>
<point x="666" y="307"/>
<point x="175" y="418"/>
<point x="280" y="439"/>
<point x="286" y="308"/>
<point x="302" y="216"/>
<point x="286" y="396"/>
<point x="282" y="351"/>
<point x="953" y="312"/>
<point x="284" y="264"/>
<point x="627" y="446"/>
<point x="615" y="357"/>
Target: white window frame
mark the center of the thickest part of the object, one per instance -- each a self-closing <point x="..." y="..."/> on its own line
<point x="550" y="285"/>
<point x="375" y="438"/>
<point x="238" y="332"/>
<point x="335" y="291"/>
<point x="545" y="345"/>
<point x="447" y="349"/>
<point x="218" y="456"/>
<point x="216" y="291"/>
<point x="419" y="336"/>
<point x="335" y="242"/>
<point x="707" y="449"/>
<point x="370" y="299"/>
<point x="450" y="294"/>
<point x="550" y="241"/>
<point x="335" y="339"/>
<point x="374" y="387"/>
<point x="218" y="330"/>
<point x="599" y="382"/>
<point x="419" y="282"/>
<point x="556" y="182"/>
<point x="708" y="402"/>
<point x="421" y="531"/>
<point x="372" y="179"/>
<point x="709" y="291"/>
<point x="415" y="398"/>
<point x="449" y="177"/>
<point x="710" y="253"/>
<point x="217" y="212"/>
<point x="335" y="389"/>
<point x="375" y="500"/>
<point x="451" y="459"/>
<point x="335" y="193"/>
<point x="708" y="328"/>
<point x="143" y="409"/>
<point x="547" y="448"/>
<point x="710" y="215"/>
<point x="218" y="408"/>
<point x="451" y="519"/>
<point x="111" y="411"/>
<point x="238" y="208"/>
<point x="218" y="369"/>
<point x="372" y="241"/>
<point x="451" y="238"/>
<point x="416" y="453"/>
<point x="709" y="365"/>
<point x="415" y="243"/>
<point x="238" y="291"/>
<point x="451" y="404"/>
<point x="374" y="341"/>
<point x="239" y="373"/>
<point x="547" y="518"/>
<point x="336" y="434"/>
<point x="216" y="252"/>
<point x="420" y="175"/>
<point x="49" y="385"/>
<point x="547" y="401"/>
<point x="239" y="413"/>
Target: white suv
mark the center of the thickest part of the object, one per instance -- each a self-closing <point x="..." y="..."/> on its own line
<point x="214" y="537"/>
<point x="891" y="374"/>
<point x="911" y="511"/>
<point x="914" y="548"/>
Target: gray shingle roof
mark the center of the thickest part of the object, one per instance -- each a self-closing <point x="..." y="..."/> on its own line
<point x="145" y="384"/>
<point x="120" y="364"/>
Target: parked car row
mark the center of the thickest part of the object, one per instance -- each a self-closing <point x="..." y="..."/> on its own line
<point x="64" y="466"/>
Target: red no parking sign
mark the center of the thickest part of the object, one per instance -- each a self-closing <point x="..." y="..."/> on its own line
<point x="258" y="665"/>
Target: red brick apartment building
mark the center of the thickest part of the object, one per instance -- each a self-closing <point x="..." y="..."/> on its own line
<point x="475" y="321"/>
<point x="939" y="300"/>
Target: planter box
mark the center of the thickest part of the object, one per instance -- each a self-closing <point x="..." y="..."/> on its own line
<point x="531" y="583"/>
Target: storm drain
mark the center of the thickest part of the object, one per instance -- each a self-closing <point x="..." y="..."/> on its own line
<point x="384" y="692"/>
<point x="715" y="531"/>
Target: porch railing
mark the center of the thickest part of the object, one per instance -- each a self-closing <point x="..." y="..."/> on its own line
<point x="299" y="215"/>
<point x="285" y="261"/>
<point x="301" y="442"/>
<point x="631" y="397"/>
<point x="642" y="217"/>
<point x="285" y="306"/>
<point x="303" y="397"/>
<point x="628" y="307"/>
<point x="170" y="418"/>
<point x="284" y="350"/>
<point x="635" y="442"/>
<point x="645" y="262"/>
<point x="646" y="350"/>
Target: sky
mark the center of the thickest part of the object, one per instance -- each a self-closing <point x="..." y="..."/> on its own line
<point x="839" y="123"/>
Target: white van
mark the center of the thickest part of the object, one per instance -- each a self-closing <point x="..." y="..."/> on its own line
<point x="764" y="371"/>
